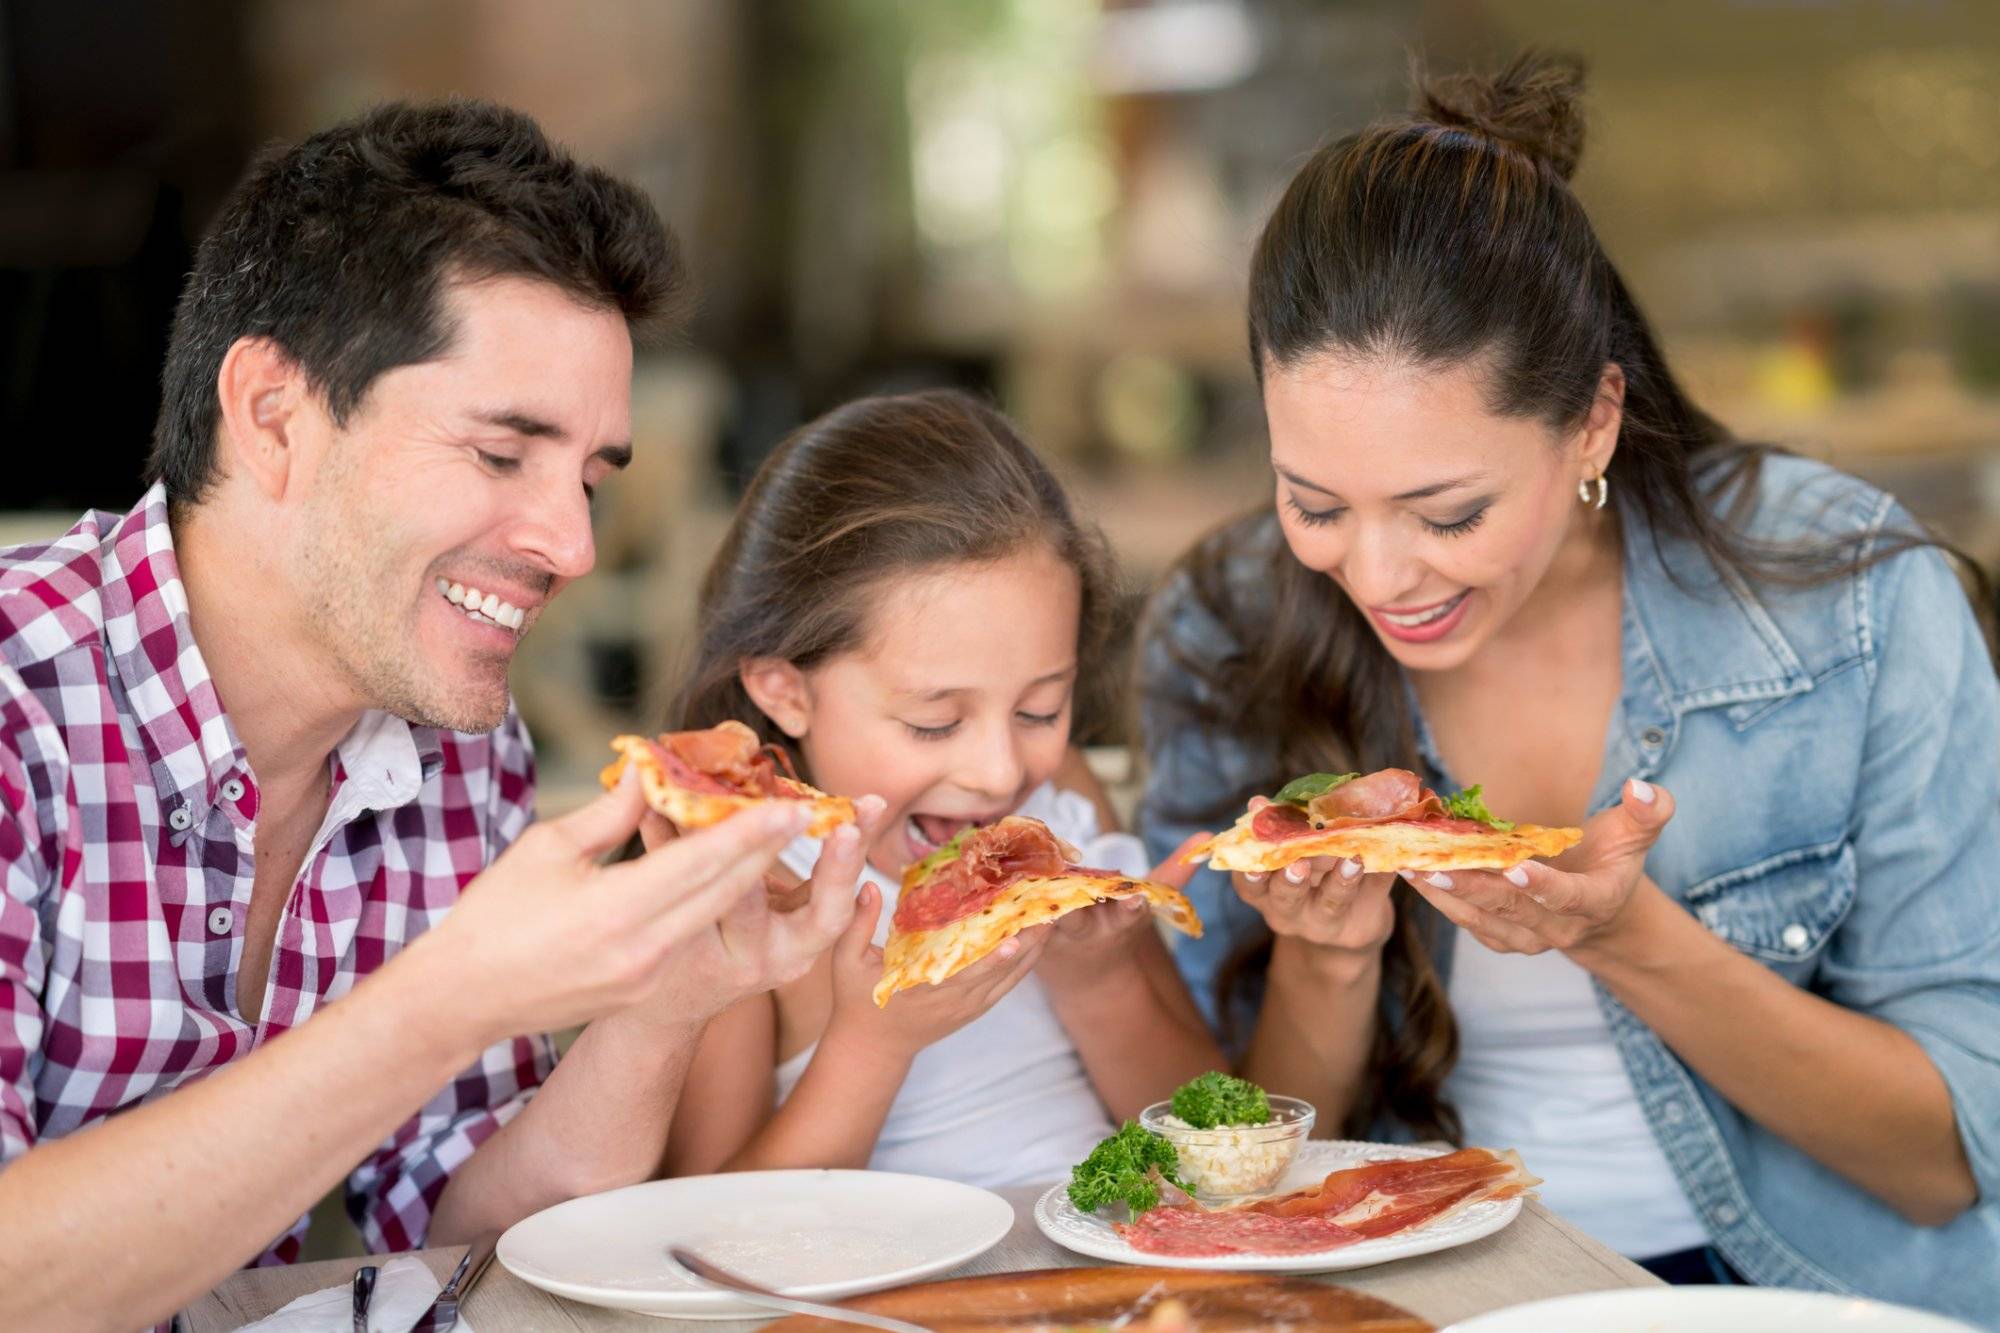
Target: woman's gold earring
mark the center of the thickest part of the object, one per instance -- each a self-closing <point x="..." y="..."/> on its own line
<point x="1603" y="491"/>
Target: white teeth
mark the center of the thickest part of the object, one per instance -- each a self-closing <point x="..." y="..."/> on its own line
<point x="1425" y="618"/>
<point x="484" y="607"/>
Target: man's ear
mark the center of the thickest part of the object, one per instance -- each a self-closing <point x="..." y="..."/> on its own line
<point x="261" y="393"/>
<point x="780" y="690"/>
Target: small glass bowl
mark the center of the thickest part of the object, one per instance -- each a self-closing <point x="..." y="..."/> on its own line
<point x="1232" y="1161"/>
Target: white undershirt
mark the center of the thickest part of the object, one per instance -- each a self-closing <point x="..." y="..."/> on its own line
<point x="1538" y="1071"/>
<point x="1004" y="1100"/>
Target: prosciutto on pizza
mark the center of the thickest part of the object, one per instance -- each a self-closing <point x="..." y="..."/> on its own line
<point x="961" y="901"/>
<point x="699" y="778"/>
<point x="1387" y="820"/>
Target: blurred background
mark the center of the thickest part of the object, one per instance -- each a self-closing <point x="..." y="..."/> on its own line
<point x="1051" y="201"/>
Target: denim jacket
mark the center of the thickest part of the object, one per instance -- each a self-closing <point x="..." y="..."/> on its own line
<point x="1834" y="753"/>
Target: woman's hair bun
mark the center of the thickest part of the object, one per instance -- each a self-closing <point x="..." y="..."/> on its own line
<point x="1535" y="104"/>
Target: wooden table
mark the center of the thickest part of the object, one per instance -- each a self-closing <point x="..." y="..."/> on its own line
<point x="1537" y="1256"/>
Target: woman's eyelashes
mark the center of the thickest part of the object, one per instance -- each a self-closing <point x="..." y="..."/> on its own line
<point x="1314" y="518"/>
<point x="1458" y="527"/>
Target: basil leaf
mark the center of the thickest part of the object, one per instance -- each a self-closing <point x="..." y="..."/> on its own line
<point x="1300" y="790"/>
<point x="1469" y="804"/>
<point x="943" y="855"/>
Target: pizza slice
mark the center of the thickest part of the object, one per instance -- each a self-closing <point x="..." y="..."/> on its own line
<point x="699" y="778"/>
<point x="1388" y="821"/>
<point x="986" y="884"/>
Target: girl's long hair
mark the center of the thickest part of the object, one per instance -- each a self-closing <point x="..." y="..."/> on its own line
<point x="878" y="487"/>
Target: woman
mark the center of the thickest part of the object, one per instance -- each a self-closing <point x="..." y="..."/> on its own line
<point x="1757" y="1038"/>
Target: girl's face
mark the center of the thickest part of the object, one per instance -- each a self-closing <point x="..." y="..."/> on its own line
<point x="955" y="706"/>
<point x="1436" y="516"/>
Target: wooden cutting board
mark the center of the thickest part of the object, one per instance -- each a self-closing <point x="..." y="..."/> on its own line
<point x="1065" y="1298"/>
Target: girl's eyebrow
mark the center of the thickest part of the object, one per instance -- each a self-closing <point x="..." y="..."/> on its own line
<point x="932" y="696"/>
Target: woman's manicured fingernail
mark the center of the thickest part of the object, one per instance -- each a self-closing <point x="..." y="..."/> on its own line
<point x="1518" y="876"/>
<point x="1349" y="867"/>
<point x="1007" y="949"/>
<point x="1254" y="876"/>
<point x="1642" y="791"/>
<point x="1295" y="873"/>
<point x="1438" y="880"/>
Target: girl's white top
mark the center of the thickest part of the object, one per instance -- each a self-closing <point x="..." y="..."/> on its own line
<point x="1004" y="1100"/>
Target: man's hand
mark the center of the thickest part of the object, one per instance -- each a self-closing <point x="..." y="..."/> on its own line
<point x="547" y="938"/>
<point x="765" y="939"/>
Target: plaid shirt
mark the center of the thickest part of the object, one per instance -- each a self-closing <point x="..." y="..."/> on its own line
<point x="127" y="825"/>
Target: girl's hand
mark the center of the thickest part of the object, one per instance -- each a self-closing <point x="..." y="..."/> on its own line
<point x="1534" y="906"/>
<point x="1086" y="944"/>
<point x="1324" y="901"/>
<point x="916" y="1017"/>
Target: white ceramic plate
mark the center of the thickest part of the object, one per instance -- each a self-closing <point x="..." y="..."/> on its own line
<point x="1708" y="1310"/>
<point x="818" y="1234"/>
<point x="1087" y="1234"/>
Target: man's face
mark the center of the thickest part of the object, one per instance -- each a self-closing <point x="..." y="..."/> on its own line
<point x="468" y="474"/>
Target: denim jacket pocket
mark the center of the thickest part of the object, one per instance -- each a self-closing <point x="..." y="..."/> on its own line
<point x="1783" y="908"/>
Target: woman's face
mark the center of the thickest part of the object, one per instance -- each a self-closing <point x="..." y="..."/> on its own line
<point x="1436" y="516"/>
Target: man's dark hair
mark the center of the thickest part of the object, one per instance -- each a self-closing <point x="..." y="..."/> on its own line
<point x="339" y="249"/>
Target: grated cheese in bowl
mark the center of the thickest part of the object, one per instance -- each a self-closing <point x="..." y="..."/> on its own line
<point x="1231" y="1161"/>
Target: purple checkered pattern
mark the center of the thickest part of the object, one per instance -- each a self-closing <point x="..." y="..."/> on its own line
<point x="127" y="821"/>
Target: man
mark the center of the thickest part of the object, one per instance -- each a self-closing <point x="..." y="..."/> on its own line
<point x="257" y="752"/>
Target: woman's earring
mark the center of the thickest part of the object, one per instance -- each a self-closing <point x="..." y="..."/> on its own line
<point x="1603" y="491"/>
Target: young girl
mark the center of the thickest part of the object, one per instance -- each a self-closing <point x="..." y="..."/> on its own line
<point x="906" y="601"/>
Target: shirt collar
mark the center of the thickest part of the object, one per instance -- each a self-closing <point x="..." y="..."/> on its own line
<point x="171" y="697"/>
<point x="1697" y="635"/>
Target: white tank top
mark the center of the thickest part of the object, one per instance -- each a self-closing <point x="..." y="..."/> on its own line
<point x="1004" y="1100"/>
<point x="1538" y="1071"/>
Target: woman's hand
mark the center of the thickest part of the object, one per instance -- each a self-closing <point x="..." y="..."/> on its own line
<point x="916" y="1017"/>
<point x="1588" y="906"/>
<point x="1324" y="901"/>
<point x="1088" y="944"/>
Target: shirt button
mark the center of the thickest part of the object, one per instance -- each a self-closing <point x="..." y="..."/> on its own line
<point x="233" y="789"/>
<point x="220" y="920"/>
<point x="1795" y="936"/>
<point x="1652" y="738"/>
<point x="1728" y="1214"/>
<point x="180" y="819"/>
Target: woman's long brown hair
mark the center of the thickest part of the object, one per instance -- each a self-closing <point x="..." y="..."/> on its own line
<point x="878" y="487"/>
<point x="1442" y="238"/>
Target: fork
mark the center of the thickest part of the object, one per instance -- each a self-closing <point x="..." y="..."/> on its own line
<point x="701" y="1270"/>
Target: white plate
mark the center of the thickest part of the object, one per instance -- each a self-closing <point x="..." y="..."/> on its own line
<point x="1087" y="1234"/>
<point x="817" y="1234"/>
<point x="1708" y="1310"/>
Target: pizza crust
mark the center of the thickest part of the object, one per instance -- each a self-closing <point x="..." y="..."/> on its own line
<point x="700" y="809"/>
<point x="914" y="958"/>
<point x="1387" y="848"/>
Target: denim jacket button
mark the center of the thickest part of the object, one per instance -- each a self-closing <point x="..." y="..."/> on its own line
<point x="1728" y="1214"/>
<point x="1652" y="738"/>
<point x="1795" y="936"/>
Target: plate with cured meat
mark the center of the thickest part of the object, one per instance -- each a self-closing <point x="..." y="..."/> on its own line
<point x="1341" y="1204"/>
